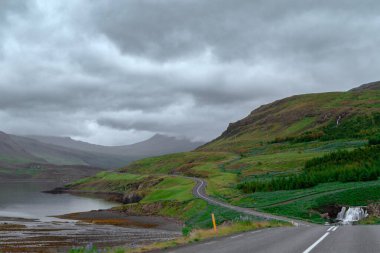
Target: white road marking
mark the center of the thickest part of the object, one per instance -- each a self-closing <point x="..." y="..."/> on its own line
<point x="316" y="243"/>
<point x="330" y="228"/>
<point x="255" y="232"/>
<point x="236" y="236"/>
<point x="208" y="243"/>
<point x="335" y="228"/>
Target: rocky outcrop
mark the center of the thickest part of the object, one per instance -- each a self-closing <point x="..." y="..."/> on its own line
<point x="374" y="209"/>
<point x="131" y="198"/>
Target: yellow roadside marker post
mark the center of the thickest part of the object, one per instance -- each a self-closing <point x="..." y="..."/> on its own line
<point x="214" y="223"/>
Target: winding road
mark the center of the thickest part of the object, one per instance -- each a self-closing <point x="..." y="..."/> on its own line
<point x="303" y="237"/>
<point x="200" y="191"/>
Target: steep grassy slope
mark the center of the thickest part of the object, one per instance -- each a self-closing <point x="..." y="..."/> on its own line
<point x="275" y="142"/>
<point x="325" y="116"/>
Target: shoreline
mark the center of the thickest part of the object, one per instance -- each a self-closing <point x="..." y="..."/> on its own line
<point x="123" y="219"/>
<point x="103" y="228"/>
<point x="108" y="196"/>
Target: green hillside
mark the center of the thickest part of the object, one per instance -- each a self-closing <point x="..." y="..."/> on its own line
<point x="295" y="157"/>
<point x="304" y="118"/>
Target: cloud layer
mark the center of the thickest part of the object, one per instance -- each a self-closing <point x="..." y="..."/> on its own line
<point x="116" y="72"/>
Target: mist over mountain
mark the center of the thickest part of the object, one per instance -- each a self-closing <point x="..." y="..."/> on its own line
<point x="67" y="151"/>
<point x="156" y="145"/>
<point x="52" y="157"/>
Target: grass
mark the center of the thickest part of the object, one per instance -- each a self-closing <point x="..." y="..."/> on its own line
<point x="171" y="188"/>
<point x="222" y="186"/>
<point x="300" y="125"/>
<point x="108" y="182"/>
<point x="370" y="220"/>
<point x="262" y="199"/>
<point x="294" y="115"/>
<point x="175" y="162"/>
<point x="109" y="176"/>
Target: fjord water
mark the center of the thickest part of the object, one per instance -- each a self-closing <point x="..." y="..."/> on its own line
<point x="25" y="200"/>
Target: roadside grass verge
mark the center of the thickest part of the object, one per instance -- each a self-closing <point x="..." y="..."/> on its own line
<point x="194" y="213"/>
<point x="370" y="220"/>
<point x="199" y="235"/>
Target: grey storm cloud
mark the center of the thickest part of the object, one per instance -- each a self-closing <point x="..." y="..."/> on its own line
<point x="115" y="72"/>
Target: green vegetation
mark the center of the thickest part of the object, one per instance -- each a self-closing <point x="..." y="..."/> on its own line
<point x="348" y="128"/>
<point x="171" y="188"/>
<point x="176" y="163"/>
<point x="195" y="213"/>
<point x="311" y="208"/>
<point x="306" y="117"/>
<point x="374" y="140"/>
<point x="93" y="249"/>
<point x="109" y="182"/>
<point x="370" y="220"/>
<point x="344" y="166"/>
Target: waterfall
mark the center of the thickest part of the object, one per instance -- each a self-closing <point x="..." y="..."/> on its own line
<point x="341" y="214"/>
<point x="351" y="215"/>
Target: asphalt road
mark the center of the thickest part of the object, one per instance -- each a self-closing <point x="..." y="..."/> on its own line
<point x="301" y="238"/>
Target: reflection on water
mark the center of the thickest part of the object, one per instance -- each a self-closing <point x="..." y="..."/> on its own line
<point x="25" y="200"/>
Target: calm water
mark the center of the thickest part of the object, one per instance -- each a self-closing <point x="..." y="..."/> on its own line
<point x="25" y="200"/>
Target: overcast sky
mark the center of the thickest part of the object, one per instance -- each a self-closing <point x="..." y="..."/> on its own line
<point x="116" y="72"/>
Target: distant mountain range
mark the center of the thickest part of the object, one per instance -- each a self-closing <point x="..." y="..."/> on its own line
<point x="157" y="145"/>
<point x="66" y="151"/>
